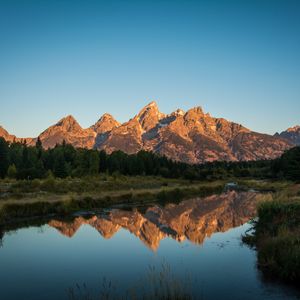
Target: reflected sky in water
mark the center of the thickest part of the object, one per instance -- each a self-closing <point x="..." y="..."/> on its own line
<point x="198" y="237"/>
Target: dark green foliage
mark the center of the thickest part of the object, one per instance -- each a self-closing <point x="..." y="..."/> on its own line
<point x="288" y="165"/>
<point x="4" y="158"/>
<point x="102" y="163"/>
<point x="65" y="160"/>
<point x="12" y="212"/>
<point x="277" y="239"/>
<point x="60" y="166"/>
<point x="12" y="171"/>
<point x="38" y="143"/>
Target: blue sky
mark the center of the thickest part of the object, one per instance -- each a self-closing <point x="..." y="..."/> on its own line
<point x="237" y="59"/>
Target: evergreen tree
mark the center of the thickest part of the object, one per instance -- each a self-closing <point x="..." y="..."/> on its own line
<point x="102" y="161"/>
<point x="288" y="165"/>
<point x="39" y="148"/>
<point x="60" y="167"/>
<point x="15" y="154"/>
<point x="4" y="156"/>
<point x="93" y="162"/>
<point x="38" y="143"/>
<point x="25" y="157"/>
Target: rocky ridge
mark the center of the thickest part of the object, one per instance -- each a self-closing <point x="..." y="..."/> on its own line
<point x="292" y="134"/>
<point x="192" y="136"/>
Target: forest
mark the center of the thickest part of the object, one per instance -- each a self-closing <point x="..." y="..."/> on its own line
<point x="20" y="161"/>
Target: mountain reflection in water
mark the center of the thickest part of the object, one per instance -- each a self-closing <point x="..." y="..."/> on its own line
<point x="45" y="257"/>
<point x="193" y="219"/>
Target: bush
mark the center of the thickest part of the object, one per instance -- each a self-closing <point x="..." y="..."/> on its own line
<point x="12" y="171"/>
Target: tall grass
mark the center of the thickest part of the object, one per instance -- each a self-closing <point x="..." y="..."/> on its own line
<point x="89" y="183"/>
<point x="277" y="236"/>
<point x="67" y="202"/>
<point x="158" y="283"/>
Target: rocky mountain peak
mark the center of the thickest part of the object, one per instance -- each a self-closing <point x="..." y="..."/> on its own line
<point x="294" y="129"/>
<point x="150" y="107"/>
<point x="67" y="129"/>
<point x="12" y="138"/>
<point x="152" y="104"/>
<point x="149" y="116"/>
<point x="8" y="137"/>
<point x="106" y="123"/>
<point x="68" y="123"/>
<point x="106" y="116"/>
<point x="292" y="134"/>
<point x="178" y="112"/>
<point x="195" y="117"/>
<point x="198" y="110"/>
<point x="195" y="114"/>
<point x="3" y="132"/>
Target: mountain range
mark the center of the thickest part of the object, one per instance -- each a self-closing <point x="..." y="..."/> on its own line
<point x="192" y="136"/>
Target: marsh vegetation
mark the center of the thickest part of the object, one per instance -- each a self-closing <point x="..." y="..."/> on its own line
<point x="276" y="235"/>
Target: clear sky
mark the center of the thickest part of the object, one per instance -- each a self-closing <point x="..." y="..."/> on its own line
<point x="237" y="59"/>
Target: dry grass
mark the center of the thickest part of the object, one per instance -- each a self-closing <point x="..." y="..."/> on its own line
<point x="277" y="235"/>
<point x="28" y="199"/>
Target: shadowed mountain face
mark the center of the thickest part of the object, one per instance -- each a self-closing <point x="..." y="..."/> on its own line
<point x="191" y="137"/>
<point x="193" y="219"/>
<point x="291" y="134"/>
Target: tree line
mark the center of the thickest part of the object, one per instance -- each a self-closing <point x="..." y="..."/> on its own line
<point x="20" y="161"/>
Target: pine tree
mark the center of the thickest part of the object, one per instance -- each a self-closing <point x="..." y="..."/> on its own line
<point x="25" y="157"/>
<point x="60" y="166"/>
<point x="39" y="148"/>
<point x="93" y="163"/>
<point x="103" y="161"/>
<point x="38" y="143"/>
<point x="3" y="157"/>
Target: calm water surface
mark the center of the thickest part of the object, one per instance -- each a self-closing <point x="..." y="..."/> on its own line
<point x="197" y="239"/>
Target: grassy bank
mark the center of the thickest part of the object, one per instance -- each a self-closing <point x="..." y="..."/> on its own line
<point x="277" y="235"/>
<point x="23" y="199"/>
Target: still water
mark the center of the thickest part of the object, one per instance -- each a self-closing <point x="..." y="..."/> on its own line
<point x="197" y="240"/>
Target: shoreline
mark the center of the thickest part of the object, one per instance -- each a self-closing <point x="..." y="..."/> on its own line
<point x="12" y="210"/>
<point x="276" y="236"/>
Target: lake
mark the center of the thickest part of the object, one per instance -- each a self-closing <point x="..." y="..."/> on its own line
<point x="194" y="246"/>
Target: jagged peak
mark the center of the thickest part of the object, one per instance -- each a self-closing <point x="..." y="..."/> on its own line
<point x="4" y="132"/>
<point x="106" y="123"/>
<point x="178" y="112"/>
<point x="3" y="129"/>
<point x="149" y="116"/>
<point x="68" y="123"/>
<point x="107" y="116"/>
<point x="196" y="109"/>
<point x="149" y="108"/>
<point x="152" y="106"/>
<point x="293" y="129"/>
<point x="194" y="113"/>
<point x="68" y="118"/>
